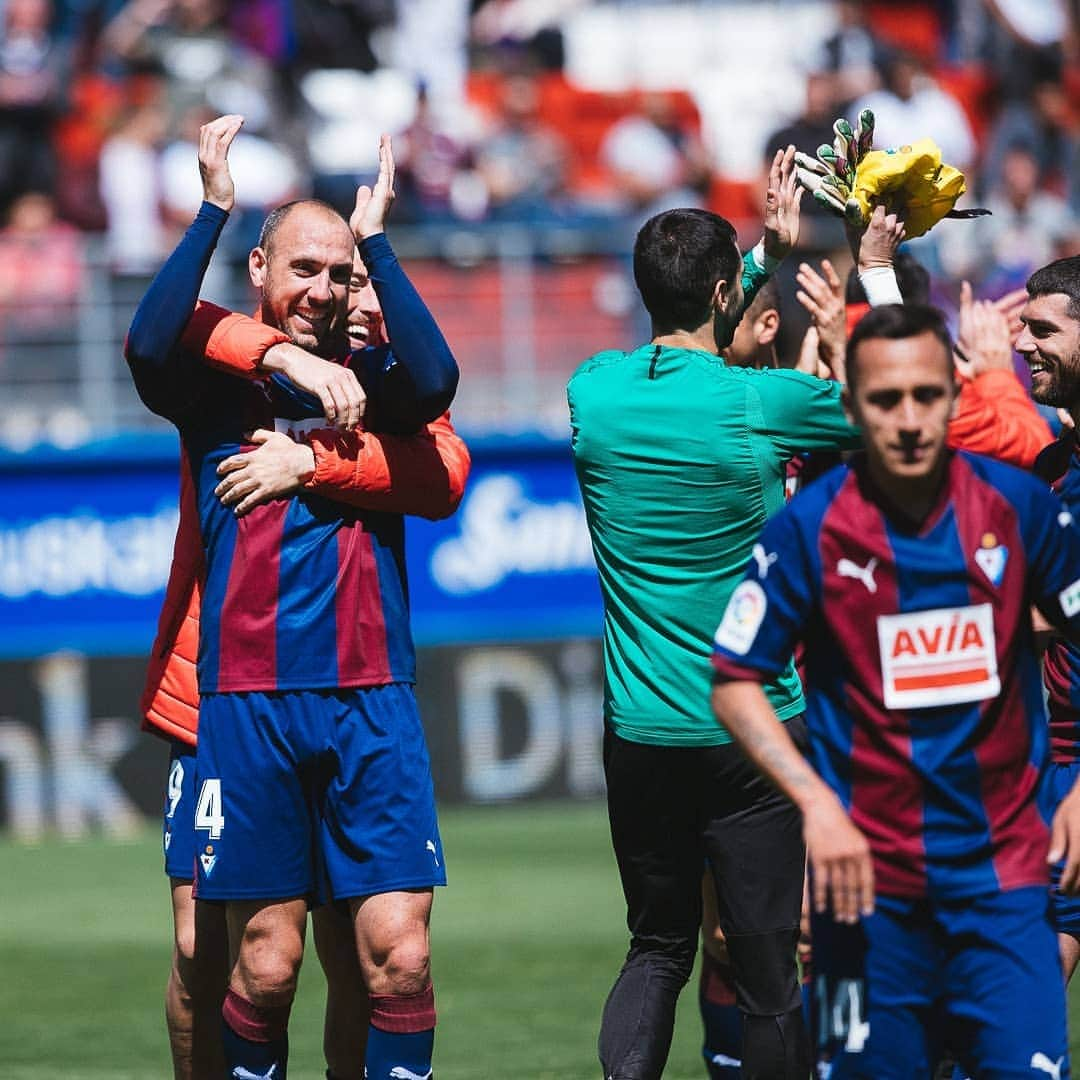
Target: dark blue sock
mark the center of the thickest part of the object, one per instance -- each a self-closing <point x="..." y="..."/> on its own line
<point x="255" y="1039"/>
<point x="721" y="1019"/>
<point x="401" y="1036"/>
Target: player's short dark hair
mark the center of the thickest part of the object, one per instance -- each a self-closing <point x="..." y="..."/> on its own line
<point x="767" y="298"/>
<point x="276" y="218"/>
<point x="1060" y="276"/>
<point x="912" y="278"/>
<point x="896" y="322"/>
<point x="679" y="256"/>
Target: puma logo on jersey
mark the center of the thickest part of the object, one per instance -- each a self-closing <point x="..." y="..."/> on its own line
<point x="399" y="1072"/>
<point x="865" y="574"/>
<point x="1041" y="1062"/>
<point x="763" y="561"/>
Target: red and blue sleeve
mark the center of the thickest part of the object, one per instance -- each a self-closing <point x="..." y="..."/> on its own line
<point x="767" y="611"/>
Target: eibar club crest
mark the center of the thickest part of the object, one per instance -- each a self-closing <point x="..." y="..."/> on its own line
<point x="991" y="558"/>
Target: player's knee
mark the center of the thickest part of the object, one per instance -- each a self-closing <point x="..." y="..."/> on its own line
<point x="766" y="975"/>
<point x="403" y="967"/>
<point x="268" y="967"/>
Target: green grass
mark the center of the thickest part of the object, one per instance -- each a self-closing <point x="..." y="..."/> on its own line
<point x="526" y="943"/>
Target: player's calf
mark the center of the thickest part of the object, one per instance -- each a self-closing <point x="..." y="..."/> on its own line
<point x="392" y="943"/>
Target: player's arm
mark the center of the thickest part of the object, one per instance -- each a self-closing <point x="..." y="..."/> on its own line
<point x="782" y="199"/>
<point x="422" y="474"/>
<point x="414" y="381"/>
<point x="767" y="614"/>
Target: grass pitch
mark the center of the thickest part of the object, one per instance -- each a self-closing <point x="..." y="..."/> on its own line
<point x="526" y="943"/>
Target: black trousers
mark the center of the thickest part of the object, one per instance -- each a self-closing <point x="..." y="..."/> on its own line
<point x="672" y="811"/>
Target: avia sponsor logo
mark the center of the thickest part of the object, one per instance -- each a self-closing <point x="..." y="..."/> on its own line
<point x="504" y="531"/>
<point x="946" y="656"/>
<point x="80" y="552"/>
<point x="298" y="430"/>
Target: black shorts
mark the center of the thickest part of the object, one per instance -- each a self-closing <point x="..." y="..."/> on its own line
<point x="675" y="809"/>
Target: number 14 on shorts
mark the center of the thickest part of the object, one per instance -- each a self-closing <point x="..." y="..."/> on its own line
<point x="208" y="809"/>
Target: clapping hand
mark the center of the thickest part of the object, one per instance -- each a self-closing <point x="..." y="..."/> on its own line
<point x="373" y="204"/>
<point x="215" y="138"/>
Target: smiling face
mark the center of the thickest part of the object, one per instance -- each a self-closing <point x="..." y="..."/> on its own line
<point x="304" y="274"/>
<point x="902" y="400"/>
<point x="1050" y="343"/>
<point x="365" y="314"/>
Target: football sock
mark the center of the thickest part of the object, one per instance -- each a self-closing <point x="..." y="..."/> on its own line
<point x="255" y="1039"/>
<point x="721" y="1018"/>
<point x="402" y="1036"/>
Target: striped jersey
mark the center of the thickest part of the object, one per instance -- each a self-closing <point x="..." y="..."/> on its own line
<point x="924" y="700"/>
<point x="301" y="593"/>
<point x="1061" y="664"/>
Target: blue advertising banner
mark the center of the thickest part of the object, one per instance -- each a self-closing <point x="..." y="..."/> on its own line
<point x="86" y="541"/>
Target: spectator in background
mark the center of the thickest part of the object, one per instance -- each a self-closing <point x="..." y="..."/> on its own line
<point x="41" y="270"/>
<point x="130" y="182"/>
<point x="523" y="161"/>
<point x="435" y="179"/>
<point x="1026" y="228"/>
<point x="912" y="106"/>
<point x="821" y="230"/>
<point x="850" y="54"/>
<point x="33" y="74"/>
<point x="655" y="160"/>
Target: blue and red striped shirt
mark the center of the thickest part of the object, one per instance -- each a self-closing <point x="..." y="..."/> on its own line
<point x="1060" y="464"/>
<point x="305" y="592"/>
<point x="924" y="700"/>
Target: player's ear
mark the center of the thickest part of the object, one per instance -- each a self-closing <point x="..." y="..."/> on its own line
<point x="257" y="267"/>
<point x="720" y="296"/>
<point x="767" y="326"/>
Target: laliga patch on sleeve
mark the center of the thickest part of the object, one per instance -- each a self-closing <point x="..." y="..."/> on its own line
<point x="1070" y="599"/>
<point x="742" y="619"/>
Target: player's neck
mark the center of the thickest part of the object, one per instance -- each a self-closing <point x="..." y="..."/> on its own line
<point x="702" y="340"/>
<point x="912" y="498"/>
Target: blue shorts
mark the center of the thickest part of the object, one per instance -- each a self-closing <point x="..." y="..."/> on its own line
<point x="178" y="833"/>
<point x="319" y="793"/>
<point x="1056" y="783"/>
<point x="980" y="976"/>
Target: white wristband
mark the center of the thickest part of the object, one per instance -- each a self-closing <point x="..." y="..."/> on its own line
<point x="879" y="284"/>
<point x="765" y="262"/>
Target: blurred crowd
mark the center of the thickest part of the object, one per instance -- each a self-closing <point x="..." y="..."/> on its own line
<point x="101" y="101"/>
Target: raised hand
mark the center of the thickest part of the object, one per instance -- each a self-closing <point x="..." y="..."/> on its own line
<point x="983" y="340"/>
<point x="782" y="201"/>
<point x="215" y="138"/>
<point x="823" y="298"/>
<point x="876" y="245"/>
<point x="373" y="204"/>
<point x="277" y="467"/>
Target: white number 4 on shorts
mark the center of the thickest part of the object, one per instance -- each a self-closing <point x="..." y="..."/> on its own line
<point x="208" y="813"/>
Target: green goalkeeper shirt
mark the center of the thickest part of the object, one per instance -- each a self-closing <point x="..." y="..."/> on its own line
<point x="680" y="461"/>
